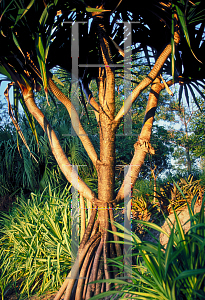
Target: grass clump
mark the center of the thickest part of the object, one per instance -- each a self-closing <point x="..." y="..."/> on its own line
<point x="35" y="243"/>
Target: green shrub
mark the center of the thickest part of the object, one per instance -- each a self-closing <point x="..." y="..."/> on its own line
<point x="35" y="243"/>
<point x="144" y="188"/>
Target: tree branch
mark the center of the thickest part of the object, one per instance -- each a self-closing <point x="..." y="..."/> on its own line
<point x="56" y="148"/>
<point x="109" y="103"/>
<point x="75" y="121"/>
<point x="145" y="82"/>
<point x="142" y="146"/>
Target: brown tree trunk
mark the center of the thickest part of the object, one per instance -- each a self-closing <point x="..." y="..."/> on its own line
<point x="96" y="259"/>
<point x="106" y="176"/>
<point x="94" y="249"/>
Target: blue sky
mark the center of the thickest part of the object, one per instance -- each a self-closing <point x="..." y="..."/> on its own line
<point x="2" y="97"/>
<point x="2" y="89"/>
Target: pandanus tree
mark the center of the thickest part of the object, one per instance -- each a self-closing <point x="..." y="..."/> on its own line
<point x="33" y="42"/>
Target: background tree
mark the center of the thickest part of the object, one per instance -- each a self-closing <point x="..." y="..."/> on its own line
<point x="197" y="131"/>
<point x="183" y="137"/>
<point x="181" y="133"/>
<point x="180" y="137"/>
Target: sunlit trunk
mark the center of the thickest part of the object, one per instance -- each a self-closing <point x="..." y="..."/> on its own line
<point x="95" y="249"/>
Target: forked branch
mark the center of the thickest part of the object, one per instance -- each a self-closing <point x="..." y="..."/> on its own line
<point x="75" y="121"/>
<point x="56" y="148"/>
<point x="142" y="146"/>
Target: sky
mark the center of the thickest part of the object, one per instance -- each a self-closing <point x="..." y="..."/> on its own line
<point x="3" y="86"/>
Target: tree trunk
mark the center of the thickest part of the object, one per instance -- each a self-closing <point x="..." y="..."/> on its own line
<point x="95" y="261"/>
<point x="94" y="249"/>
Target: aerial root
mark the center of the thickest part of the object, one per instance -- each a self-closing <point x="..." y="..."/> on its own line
<point x="95" y="227"/>
<point x="114" y="229"/>
<point x="88" y="229"/>
<point x="70" y="280"/>
<point x="91" y="287"/>
<point x="73" y="275"/>
<point x="87" y="278"/>
<point x="92" y="260"/>
<point x="82" y="245"/>
<point x="106" y="250"/>
<point x="84" y="269"/>
<point x="99" y="276"/>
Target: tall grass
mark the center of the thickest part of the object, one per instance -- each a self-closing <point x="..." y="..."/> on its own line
<point x="35" y="243"/>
